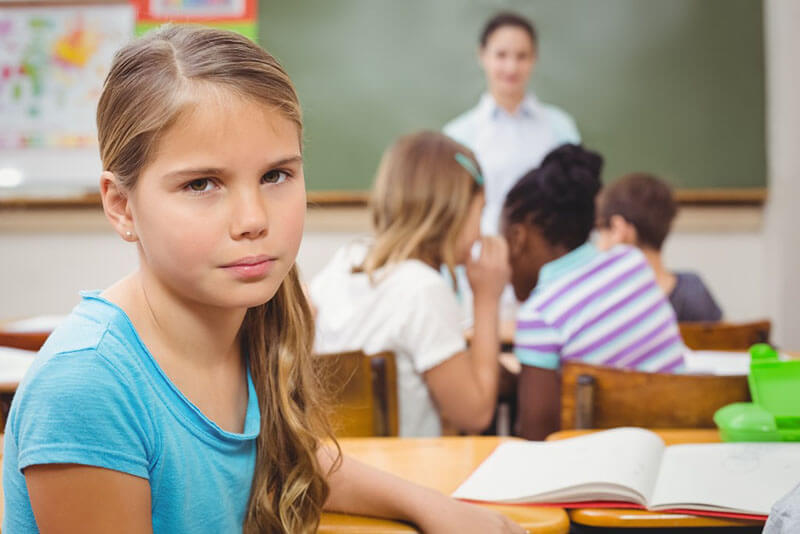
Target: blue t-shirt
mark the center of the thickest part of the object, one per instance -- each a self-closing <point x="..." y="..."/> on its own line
<point x="95" y="396"/>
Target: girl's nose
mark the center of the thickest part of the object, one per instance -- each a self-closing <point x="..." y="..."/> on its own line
<point x="249" y="216"/>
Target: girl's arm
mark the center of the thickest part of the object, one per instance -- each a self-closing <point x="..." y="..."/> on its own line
<point x="73" y="498"/>
<point x="357" y="488"/>
<point x="539" y="402"/>
<point x="465" y="386"/>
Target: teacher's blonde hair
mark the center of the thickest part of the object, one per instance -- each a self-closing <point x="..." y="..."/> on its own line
<point x="154" y="81"/>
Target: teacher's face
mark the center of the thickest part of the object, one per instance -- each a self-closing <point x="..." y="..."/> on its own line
<point x="508" y="60"/>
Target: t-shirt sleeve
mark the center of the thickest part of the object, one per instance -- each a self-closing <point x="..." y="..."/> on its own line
<point x="784" y="518"/>
<point x="692" y="300"/>
<point x="78" y="409"/>
<point x="433" y="332"/>
<point x="707" y="306"/>
<point x="537" y="343"/>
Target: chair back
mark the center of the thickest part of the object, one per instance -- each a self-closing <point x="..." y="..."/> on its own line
<point x="17" y="340"/>
<point x="607" y="397"/>
<point x="23" y="340"/>
<point x="724" y="336"/>
<point x="362" y="392"/>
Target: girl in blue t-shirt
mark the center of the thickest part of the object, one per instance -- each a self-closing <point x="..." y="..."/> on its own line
<point x="181" y="399"/>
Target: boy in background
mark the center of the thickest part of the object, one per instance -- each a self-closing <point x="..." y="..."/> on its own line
<point x="638" y="209"/>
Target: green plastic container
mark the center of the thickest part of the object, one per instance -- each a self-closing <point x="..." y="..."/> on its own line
<point x="774" y="414"/>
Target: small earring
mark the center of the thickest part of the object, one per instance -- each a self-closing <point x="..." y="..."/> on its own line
<point x="128" y="234"/>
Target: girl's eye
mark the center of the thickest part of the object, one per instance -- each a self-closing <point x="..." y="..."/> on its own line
<point x="201" y="185"/>
<point x="274" y="177"/>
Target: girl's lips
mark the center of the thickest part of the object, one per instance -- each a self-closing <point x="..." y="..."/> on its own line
<point x="251" y="267"/>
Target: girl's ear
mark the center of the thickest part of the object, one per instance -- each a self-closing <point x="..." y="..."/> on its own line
<point x="116" y="207"/>
<point x="621" y="230"/>
<point x="516" y="235"/>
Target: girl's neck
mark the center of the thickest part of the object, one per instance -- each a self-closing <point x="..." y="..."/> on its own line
<point x="190" y="333"/>
<point x="665" y="279"/>
<point x="509" y="101"/>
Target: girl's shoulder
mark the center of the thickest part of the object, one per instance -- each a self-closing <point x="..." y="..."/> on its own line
<point x="89" y="385"/>
<point x="345" y="262"/>
<point x="96" y="328"/>
<point x="94" y="349"/>
<point x="340" y="282"/>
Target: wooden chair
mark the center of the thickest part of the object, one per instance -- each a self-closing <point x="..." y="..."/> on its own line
<point x="363" y="392"/>
<point x="17" y="340"/>
<point x="724" y="336"/>
<point x="607" y="397"/>
<point x="23" y="340"/>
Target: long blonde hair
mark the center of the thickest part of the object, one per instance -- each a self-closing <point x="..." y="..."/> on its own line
<point x="420" y="200"/>
<point x="148" y="88"/>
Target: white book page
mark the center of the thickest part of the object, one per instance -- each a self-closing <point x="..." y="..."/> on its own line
<point x="719" y="362"/>
<point x="715" y="362"/>
<point x="14" y="363"/>
<point x="737" y="477"/>
<point x="597" y="466"/>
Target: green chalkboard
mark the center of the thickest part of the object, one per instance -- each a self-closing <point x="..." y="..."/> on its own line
<point x="674" y="87"/>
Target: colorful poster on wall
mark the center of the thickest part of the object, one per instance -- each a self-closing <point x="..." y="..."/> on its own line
<point x="53" y="61"/>
<point x="235" y="15"/>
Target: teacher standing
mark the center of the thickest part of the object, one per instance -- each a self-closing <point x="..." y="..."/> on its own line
<point x="509" y="130"/>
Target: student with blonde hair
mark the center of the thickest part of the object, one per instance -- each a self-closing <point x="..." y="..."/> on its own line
<point x="389" y="293"/>
<point x="181" y="398"/>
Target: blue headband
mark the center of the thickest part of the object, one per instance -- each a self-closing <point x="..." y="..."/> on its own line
<point x="467" y="163"/>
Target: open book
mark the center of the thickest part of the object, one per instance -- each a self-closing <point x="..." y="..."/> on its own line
<point x="632" y="466"/>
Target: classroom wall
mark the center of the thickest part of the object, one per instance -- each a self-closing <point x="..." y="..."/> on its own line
<point x="83" y="253"/>
<point x="782" y="235"/>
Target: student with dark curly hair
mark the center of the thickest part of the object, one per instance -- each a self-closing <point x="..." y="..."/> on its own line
<point x="579" y="303"/>
<point x="638" y="209"/>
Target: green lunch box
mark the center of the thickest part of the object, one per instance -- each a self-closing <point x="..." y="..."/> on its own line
<point x="774" y="414"/>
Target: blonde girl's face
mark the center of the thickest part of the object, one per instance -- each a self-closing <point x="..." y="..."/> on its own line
<point x="471" y="230"/>
<point x="508" y="59"/>
<point x="219" y="211"/>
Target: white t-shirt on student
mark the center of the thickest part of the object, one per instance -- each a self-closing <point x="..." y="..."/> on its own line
<point x="409" y="309"/>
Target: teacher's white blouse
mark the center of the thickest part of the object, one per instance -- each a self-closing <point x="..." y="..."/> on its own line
<point x="509" y="145"/>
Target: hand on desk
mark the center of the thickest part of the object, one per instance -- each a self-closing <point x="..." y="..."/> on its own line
<point x="457" y="516"/>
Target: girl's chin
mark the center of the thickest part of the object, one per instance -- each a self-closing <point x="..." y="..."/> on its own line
<point x="252" y="299"/>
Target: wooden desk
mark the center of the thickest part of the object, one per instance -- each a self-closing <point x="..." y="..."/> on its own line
<point x="622" y="518"/>
<point x="440" y="463"/>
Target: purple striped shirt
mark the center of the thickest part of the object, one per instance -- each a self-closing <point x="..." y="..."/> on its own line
<point x="603" y="308"/>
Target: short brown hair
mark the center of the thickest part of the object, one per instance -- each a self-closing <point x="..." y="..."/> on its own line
<point x="508" y="18"/>
<point x="644" y="201"/>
